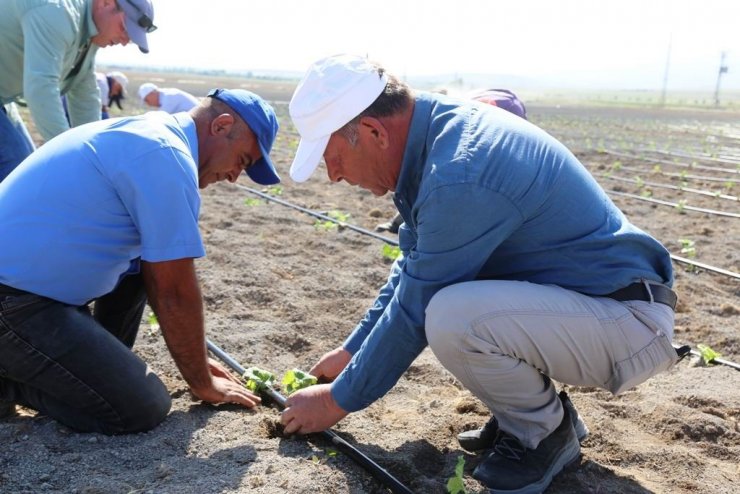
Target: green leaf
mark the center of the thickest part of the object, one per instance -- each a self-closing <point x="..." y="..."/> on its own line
<point x="391" y="252"/>
<point x="251" y="201"/>
<point x="153" y="322"/>
<point x="257" y="379"/>
<point x="296" y="379"/>
<point x="455" y="484"/>
<point x="707" y="354"/>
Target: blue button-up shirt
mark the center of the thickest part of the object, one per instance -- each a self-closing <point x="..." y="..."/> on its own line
<point x="487" y="195"/>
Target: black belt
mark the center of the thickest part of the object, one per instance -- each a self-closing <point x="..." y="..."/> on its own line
<point x="639" y="291"/>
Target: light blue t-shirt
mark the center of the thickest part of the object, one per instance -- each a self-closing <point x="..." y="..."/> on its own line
<point x="485" y="194"/>
<point x="82" y="210"/>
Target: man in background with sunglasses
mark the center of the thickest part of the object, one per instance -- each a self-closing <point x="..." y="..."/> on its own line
<point x="47" y="49"/>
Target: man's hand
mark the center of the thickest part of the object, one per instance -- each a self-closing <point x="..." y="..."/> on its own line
<point x="311" y="409"/>
<point x="331" y="364"/>
<point x="227" y="390"/>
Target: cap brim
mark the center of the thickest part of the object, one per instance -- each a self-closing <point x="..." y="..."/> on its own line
<point x="263" y="171"/>
<point x="137" y="34"/>
<point x="307" y="158"/>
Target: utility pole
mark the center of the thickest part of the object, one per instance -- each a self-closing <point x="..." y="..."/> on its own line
<point x="665" y="74"/>
<point x="722" y="70"/>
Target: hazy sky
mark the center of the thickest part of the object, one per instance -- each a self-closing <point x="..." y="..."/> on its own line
<point x="577" y="43"/>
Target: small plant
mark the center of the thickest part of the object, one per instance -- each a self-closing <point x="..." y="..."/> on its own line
<point x="657" y="169"/>
<point x="296" y="379"/>
<point x="391" y="252"/>
<point x="153" y="323"/>
<point x="617" y="165"/>
<point x="257" y="379"/>
<point x="455" y="484"/>
<point x="275" y="190"/>
<point x="707" y="354"/>
<point x="681" y="206"/>
<point x="252" y="201"/>
<point x="688" y="247"/>
<point x="340" y="216"/>
<point x="639" y="181"/>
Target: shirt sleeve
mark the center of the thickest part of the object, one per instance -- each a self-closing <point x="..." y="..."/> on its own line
<point x="160" y="191"/>
<point x="45" y="42"/>
<point x="458" y="227"/>
<point x="83" y="98"/>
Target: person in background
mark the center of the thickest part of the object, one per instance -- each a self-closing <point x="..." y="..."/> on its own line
<point x="516" y="268"/>
<point x="118" y="200"/>
<point x="112" y="88"/>
<point x="503" y="98"/>
<point x="47" y="50"/>
<point x="169" y="99"/>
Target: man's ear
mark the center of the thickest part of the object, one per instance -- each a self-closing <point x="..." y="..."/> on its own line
<point x="375" y="131"/>
<point x="221" y="125"/>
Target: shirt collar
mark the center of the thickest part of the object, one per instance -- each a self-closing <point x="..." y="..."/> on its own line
<point x="415" y="152"/>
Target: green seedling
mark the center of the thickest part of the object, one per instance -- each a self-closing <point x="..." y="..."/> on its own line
<point x="153" y="323"/>
<point x="688" y="247"/>
<point x="455" y="483"/>
<point x="707" y="354"/>
<point x="639" y="181"/>
<point x="257" y="379"/>
<point x="275" y="190"/>
<point x="657" y="169"/>
<point x="391" y="252"/>
<point x="296" y="379"/>
<point x="681" y="206"/>
<point x="617" y="165"/>
<point x="340" y="216"/>
<point x="252" y="201"/>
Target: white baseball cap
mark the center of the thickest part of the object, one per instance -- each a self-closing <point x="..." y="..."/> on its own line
<point x="145" y="89"/>
<point x="333" y="91"/>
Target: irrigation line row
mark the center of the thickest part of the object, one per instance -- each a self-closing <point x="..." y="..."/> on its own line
<point x="724" y="161"/>
<point x="612" y="152"/>
<point x="681" y="176"/>
<point x="391" y="241"/>
<point x="659" y="185"/>
<point x="676" y="205"/>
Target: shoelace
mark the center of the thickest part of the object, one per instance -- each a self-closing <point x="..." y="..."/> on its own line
<point x="509" y="447"/>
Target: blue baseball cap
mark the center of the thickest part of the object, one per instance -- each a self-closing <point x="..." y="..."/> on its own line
<point x="261" y="118"/>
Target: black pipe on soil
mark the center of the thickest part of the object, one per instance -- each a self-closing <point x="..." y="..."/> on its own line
<point x="355" y="454"/>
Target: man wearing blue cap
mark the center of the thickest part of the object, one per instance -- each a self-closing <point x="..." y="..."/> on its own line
<point x="47" y="50"/>
<point x="108" y="212"/>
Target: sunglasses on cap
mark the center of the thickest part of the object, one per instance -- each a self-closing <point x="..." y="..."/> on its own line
<point x="144" y="20"/>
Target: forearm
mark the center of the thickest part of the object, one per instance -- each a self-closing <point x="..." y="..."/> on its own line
<point x="179" y="310"/>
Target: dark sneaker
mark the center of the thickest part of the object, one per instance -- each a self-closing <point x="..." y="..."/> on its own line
<point x="511" y="468"/>
<point x="482" y="439"/>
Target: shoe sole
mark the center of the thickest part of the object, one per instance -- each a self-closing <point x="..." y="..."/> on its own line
<point x="569" y="454"/>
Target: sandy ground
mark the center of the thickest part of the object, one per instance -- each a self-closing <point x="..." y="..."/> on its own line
<point x="280" y="291"/>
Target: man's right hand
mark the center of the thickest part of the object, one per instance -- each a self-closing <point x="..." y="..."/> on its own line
<point x="331" y="364"/>
<point x="225" y="390"/>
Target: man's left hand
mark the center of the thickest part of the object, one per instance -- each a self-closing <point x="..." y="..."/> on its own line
<point x="312" y="409"/>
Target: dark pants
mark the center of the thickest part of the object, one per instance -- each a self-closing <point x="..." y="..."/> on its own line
<point x="78" y="367"/>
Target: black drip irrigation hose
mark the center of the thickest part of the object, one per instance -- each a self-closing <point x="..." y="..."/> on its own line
<point x="355" y="454"/>
<point x="390" y="241"/>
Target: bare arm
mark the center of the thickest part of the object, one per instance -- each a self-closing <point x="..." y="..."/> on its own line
<point x="174" y="294"/>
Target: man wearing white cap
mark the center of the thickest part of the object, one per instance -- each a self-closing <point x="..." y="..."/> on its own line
<point x="118" y="202"/>
<point x="112" y="87"/>
<point x="169" y="99"/>
<point x="47" y="50"/>
<point x="516" y="268"/>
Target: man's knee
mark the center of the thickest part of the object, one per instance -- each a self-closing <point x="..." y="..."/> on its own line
<point x="443" y="324"/>
<point x="147" y="410"/>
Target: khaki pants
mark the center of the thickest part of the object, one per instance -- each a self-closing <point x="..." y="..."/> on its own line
<point x="499" y="338"/>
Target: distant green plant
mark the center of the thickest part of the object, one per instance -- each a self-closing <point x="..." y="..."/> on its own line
<point x="275" y="190"/>
<point x="646" y="193"/>
<point x="681" y="206"/>
<point x="455" y="483"/>
<point x="729" y="185"/>
<point x="640" y="182"/>
<point x="253" y="201"/>
<point x="617" y="165"/>
<point x="657" y="169"/>
<point x="340" y="217"/>
<point x="391" y="252"/>
<point x="707" y="354"/>
<point x="688" y="247"/>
